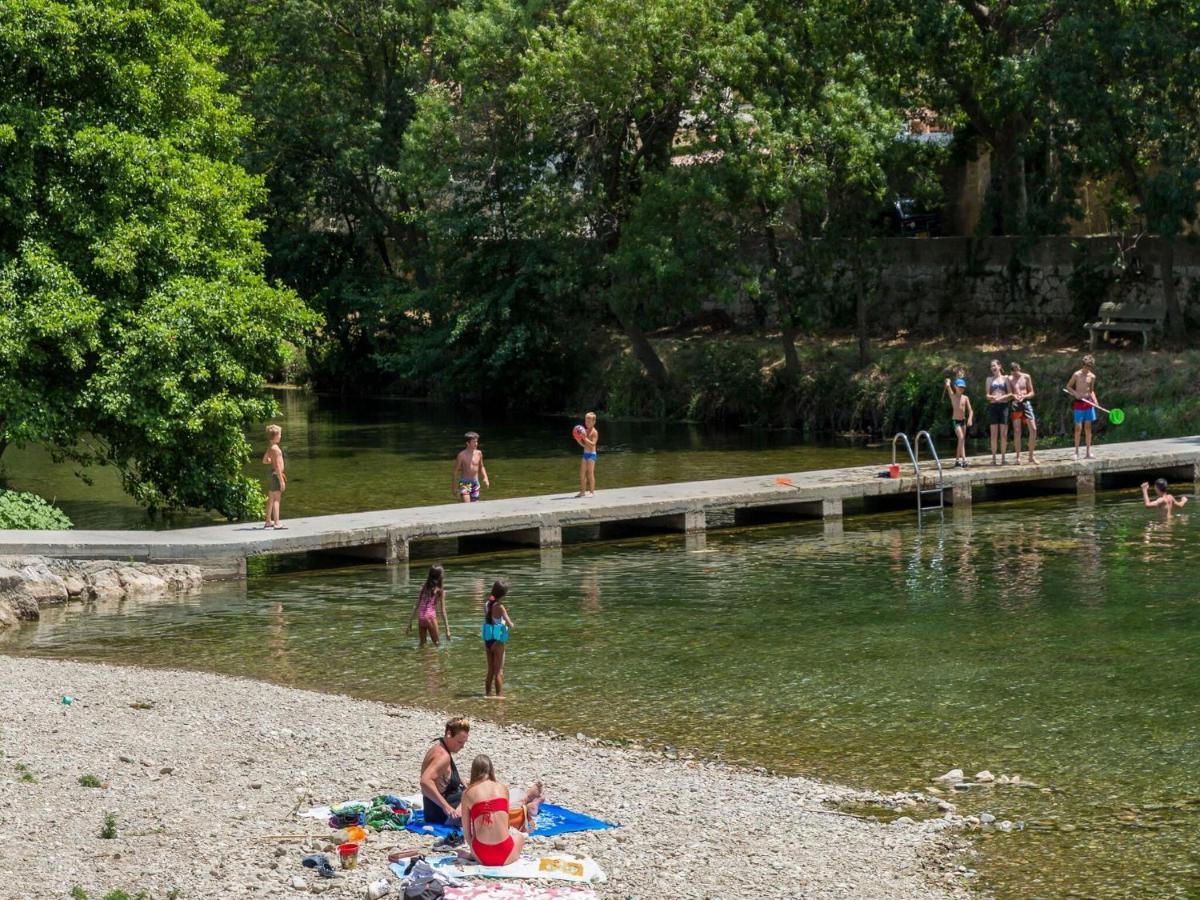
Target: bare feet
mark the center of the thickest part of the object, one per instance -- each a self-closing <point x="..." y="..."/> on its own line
<point x="580" y="494"/>
<point x="1034" y="461"/>
<point x="1089" y="456"/>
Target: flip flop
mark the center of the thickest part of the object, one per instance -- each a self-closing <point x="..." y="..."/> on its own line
<point x="320" y="862"/>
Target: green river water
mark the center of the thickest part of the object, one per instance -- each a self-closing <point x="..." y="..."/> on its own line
<point x="1055" y="638"/>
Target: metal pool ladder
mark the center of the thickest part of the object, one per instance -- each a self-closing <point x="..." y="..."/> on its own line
<point x="914" y="455"/>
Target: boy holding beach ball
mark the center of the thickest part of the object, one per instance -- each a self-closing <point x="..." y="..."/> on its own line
<point x="588" y="437"/>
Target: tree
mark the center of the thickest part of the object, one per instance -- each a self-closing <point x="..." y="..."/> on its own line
<point x="1137" y="119"/>
<point x="615" y="90"/>
<point x="136" y="328"/>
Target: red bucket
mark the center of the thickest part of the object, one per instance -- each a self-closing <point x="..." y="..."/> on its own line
<point x="894" y="470"/>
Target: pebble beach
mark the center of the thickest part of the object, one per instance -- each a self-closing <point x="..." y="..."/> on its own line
<point x="202" y="779"/>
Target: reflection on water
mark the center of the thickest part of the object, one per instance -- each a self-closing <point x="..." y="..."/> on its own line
<point x="345" y="456"/>
<point x="1055" y="639"/>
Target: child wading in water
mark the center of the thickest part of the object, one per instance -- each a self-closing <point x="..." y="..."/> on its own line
<point x="587" y="466"/>
<point x="1082" y="387"/>
<point x="276" y="479"/>
<point x="962" y="416"/>
<point x="1162" y="499"/>
<point x="496" y="624"/>
<point x="430" y="601"/>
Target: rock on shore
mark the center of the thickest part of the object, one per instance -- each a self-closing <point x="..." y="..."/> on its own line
<point x="28" y="583"/>
<point x="204" y="775"/>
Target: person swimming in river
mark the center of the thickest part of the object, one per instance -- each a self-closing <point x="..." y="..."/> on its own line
<point x="430" y="601"/>
<point x="276" y="478"/>
<point x="962" y="416"/>
<point x="496" y="624"/>
<point x="1162" y="499"/>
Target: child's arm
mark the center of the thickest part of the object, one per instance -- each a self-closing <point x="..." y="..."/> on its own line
<point x="277" y="464"/>
<point x="1180" y="501"/>
<point x="947" y="390"/>
<point x="970" y="411"/>
<point x="442" y="607"/>
<point x="504" y="616"/>
<point x="1029" y="381"/>
<point x="414" y="613"/>
<point x="1146" y="501"/>
<point x="454" y="475"/>
<point x="483" y="471"/>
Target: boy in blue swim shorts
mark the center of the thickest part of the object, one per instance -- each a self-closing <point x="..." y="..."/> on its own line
<point x="1082" y="386"/>
<point x="468" y="469"/>
<point x="587" y="465"/>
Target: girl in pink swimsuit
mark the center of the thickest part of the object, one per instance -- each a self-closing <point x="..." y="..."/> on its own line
<point x="430" y="602"/>
<point x="494" y="822"/>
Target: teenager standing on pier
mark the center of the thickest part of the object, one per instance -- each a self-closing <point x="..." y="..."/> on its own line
<point x="276" y="478"/>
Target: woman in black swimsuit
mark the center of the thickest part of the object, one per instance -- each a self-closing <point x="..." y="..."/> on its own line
<point x="998" y="400"/>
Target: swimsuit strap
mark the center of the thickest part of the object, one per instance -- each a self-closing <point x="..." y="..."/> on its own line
<point x="453" y="768"/>
<point x="487" y="807"/>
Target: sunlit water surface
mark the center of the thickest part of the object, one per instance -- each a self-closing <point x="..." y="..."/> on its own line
<point x="1057" y="639"/>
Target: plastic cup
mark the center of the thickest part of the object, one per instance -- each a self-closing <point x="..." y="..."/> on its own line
<point x="348" y="855"/>
<point x="894" y="470"/>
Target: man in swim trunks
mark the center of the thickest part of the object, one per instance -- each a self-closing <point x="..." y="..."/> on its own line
<point x="1082" y="387"/>
<point x="1020" y="386"/>
<point x="441" y="786"/>
<point x="468" y="469"/>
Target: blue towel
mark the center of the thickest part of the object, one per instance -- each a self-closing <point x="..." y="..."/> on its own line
<point x="551" y="820"/>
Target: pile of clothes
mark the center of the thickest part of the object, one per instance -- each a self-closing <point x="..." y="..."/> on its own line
<point x="384" y="813"/>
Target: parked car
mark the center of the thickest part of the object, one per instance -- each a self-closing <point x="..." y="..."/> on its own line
<point x="905" y="217"/>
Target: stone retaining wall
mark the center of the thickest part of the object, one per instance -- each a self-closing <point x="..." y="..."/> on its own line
<point x="998" y="284"/>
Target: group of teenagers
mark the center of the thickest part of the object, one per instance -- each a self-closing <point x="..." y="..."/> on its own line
<point x="1010" y="400"/>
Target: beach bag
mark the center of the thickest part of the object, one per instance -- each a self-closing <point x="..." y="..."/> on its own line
<point x="422" y="883"/>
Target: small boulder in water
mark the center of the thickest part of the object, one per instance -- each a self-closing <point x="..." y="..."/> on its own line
<point x="953" y="775"/>
<point x="985" y="776"/>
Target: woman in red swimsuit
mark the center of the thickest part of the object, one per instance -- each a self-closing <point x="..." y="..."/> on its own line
<point x="494" y="826"/>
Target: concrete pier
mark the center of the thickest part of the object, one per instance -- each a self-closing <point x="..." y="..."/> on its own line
<point x="396" y="535"/>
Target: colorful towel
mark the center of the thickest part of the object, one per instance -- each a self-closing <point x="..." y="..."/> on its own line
<point x="559" y="867"/>
<point x="551" y="820"/>
<point x="517" y="890"/>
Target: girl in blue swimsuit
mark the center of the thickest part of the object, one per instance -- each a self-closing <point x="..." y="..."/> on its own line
<point x="496" y="624"/>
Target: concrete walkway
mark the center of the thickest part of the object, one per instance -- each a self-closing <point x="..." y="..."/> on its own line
<point x="390" y="535"/>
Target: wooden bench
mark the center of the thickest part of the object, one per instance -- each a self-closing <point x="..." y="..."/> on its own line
<point x="1128" y="317"/>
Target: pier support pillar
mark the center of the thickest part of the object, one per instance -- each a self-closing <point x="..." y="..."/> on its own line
<point x="1085" y="483"/>
<point x="550" y="536"/>
<point x="960" y="494"/>
<point x="688" y="522"/>
<point x="831" y="509"/>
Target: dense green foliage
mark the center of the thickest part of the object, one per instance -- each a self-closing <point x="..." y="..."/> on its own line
<point x="136" y="327"/>
<point x="471" y="191"/>
<point x="22" y="510"/>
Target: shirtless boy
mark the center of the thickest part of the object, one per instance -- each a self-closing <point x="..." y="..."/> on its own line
<point x="1082" y="387"/>
<point x="1020" y="386"/>
<point x="961" y="416"/>
<point x="587" y="465"/>
<point x="468" y="469"/>
<point x="441" y="786"/>
<point x="1162" y="499"/>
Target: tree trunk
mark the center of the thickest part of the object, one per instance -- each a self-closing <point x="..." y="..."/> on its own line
<point x="860" y="306"/>
<point x="643" y="350"/>
<point x="779" y="279"/>
<point x="1166" y="271"/>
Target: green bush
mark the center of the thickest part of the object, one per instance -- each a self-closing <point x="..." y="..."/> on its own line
<point x="22" y="510"/>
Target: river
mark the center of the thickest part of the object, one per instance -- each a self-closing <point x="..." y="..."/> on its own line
<point x="1057" y="639"/>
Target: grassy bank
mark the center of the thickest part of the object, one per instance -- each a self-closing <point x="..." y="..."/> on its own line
<point x="731" y="379"/>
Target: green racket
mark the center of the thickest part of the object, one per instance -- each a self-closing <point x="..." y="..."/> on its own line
<point x="1115" y="416"/>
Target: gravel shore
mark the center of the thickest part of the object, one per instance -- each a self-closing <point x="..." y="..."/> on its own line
<point x="204" y="775"/>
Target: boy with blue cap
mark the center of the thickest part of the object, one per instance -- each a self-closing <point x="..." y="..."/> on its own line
<point x="961" y="415"/>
